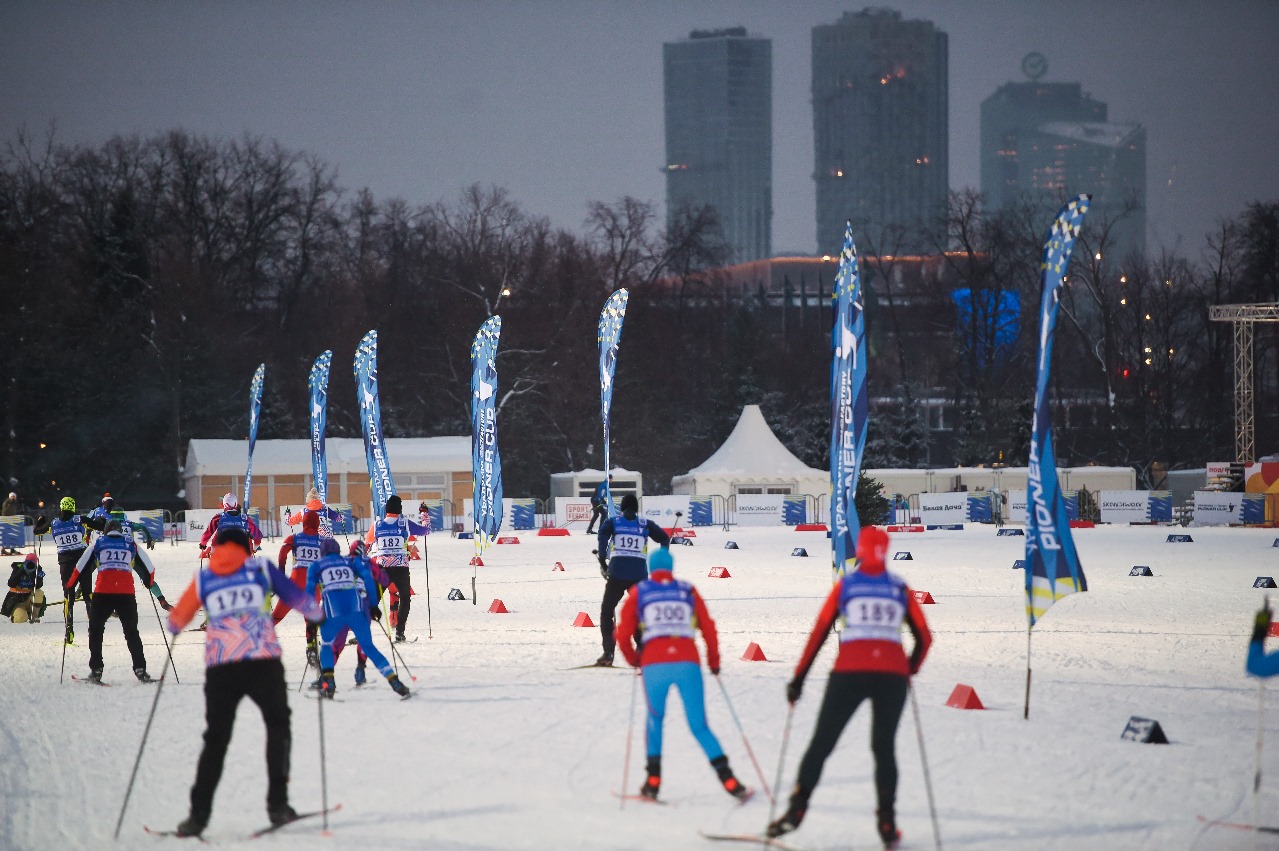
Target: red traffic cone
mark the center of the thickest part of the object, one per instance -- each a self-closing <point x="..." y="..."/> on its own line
<point x="582" y="619"/>
<point x="558" y="566"/>
<point x="753" y="653"/>
<point x="499" y="608"/>
<point x="720" y="573"/>
<point x="477" y="561"/>
<point x="923" y="597"/>
<point x="964" y="697"/>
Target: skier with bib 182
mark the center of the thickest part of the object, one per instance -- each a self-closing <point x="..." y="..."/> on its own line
<point x="872" y="605"/>
<point x="622" y="548"/>
<point x="390" y="539"/>
<point x="655" y="630"/>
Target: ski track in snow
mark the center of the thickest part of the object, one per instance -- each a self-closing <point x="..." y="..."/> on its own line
<point x="502" y="749"/>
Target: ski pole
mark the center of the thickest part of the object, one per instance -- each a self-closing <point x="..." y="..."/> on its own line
<point x="397" y="652"/>
<point x="928" y="783"/>
<point x="66" y="617"/>
<point x="781" y="759"/>
<point x="324" y="775"/>
<point x="164" y="635"/>
<point x="426" y="564"/>
<point x="630" y="727"/>
<point x="146" y="731"/>
<point x="731" y="711"/>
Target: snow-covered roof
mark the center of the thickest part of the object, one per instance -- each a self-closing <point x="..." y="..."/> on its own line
<point x="753" y="450"/>
<point x="344" y="454"/>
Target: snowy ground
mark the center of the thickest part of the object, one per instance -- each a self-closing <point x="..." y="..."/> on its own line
<point x="504" y="748"/>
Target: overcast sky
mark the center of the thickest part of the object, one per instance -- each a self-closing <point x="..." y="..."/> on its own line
<point x="561" y="101"/>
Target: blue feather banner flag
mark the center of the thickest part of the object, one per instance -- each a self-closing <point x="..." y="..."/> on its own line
<point x="319" y="387"/>
<point x="486" y="462"/>
<point x="849" y="406"/>
<point x="380" y="481"/>
<point x="255" y="414"/>
<point x="610" y="336"/>
<point x="1052" y="564"/>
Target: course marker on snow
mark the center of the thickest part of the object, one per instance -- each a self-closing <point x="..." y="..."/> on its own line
<point x="497" y="607"/>
<point x="1082" y="524"/>
<point x="1263" y="582"/>
<point x="1006" y="532"/>
<point x="799" y="551"/>
<point x="680" y="539"/>
<point x="964" y="697"/>
<point x="1019" y="564"/>
<point x="582" y="619"/>
<point x="476" y="561"/>
<point x="913" y="528"/>
<point x="720" y="573"/>
<point x="1275" y="544"/>
<point x="923" y="598"/>
<point x="753" y="653"/>
<point x="945" y="527"/>
<point x="456" y="594"/>
<point x="558" y="566"/>
<point x="1140" y="570"/>
<point x="466" y="536"/>
<point x="730" y="545"/>
<point x="552" y="532"/>
<point x="1180" y="539"/>
<point x="1274" y="629"/>
<point x="1144" y="730"/>
<point x="903" y="555"/>
<point x="810" y="527"/>
<point x="508" y="540"/>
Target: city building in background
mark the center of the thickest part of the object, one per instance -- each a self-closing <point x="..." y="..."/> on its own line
<point x="719" y="133"/>
<point x="880" y="131"/>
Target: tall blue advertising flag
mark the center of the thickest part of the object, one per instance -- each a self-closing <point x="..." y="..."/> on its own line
<point x="849" y="407"/>
<point x="319" y="387"/>
<point x="610" y="336"/>
<point x="486" y="462"/>
<point x="255" y="412"/>
<point x="1052" y="564"/>
<point x="379" y="464"/>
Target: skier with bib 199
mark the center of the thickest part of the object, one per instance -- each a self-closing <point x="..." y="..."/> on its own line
<point x="872" y="604"/>
<point x="242" y="657"/>
<point x="390" y="539"/>
<point x="622" y="549"/>
<point x="656" y="631"/>
<point x="350" y="600"/>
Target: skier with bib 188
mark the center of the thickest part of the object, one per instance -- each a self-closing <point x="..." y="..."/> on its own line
<point x="242" y="657"/>
<point x="71" y="539"/>
<point x="655" y="630"/>
<point x="622" y="548"/>
<point x="390" y="538"/>
<point x="872" y="604"/>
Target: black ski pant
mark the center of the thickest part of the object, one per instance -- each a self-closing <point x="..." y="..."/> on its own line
<point x="614" y="591"/>
<point x="101" y="608"/>
<point x="844" y="693"/>
<point x="598" y="512"/>
<point x="66" y="566"/>
<point x="399" y="577"/>
<point x="262" y="681"/>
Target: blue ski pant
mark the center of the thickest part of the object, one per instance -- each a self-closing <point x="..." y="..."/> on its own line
<point x="333" y="635"/>
<point x="687" y="677"/>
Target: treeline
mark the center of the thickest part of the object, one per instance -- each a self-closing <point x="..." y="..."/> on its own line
<point x="141" y="281"/>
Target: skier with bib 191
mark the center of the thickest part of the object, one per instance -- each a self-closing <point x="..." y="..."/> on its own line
<point x="622" y="548"/>
<point x="389" y="538"/>
<point x="242" y="658"/>
<point x="872" y="604"/>
<point x="655" y="631"/>
<point x="350" y="600"/>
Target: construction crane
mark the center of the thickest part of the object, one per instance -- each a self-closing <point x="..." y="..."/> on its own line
<point x="1244" y="317"/>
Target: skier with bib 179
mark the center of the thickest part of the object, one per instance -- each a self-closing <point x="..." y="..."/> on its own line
<point x="242" y="657"/>
<point x="872" y="604"/>
<point x="622" y="549"/>
<point x="655" y="630"/>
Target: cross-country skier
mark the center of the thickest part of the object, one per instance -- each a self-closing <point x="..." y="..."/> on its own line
<point x="116" y="557"/>
<point x="390" y="538"/>
<point x="626" y="537"/>
<point x="71" y="538"/>
<point x="655" y="630"/>
<point x="242" y="656"/>
<point x="98" y="518"/>
<point x="1260" y="663"/>
<point x="599" y="504"/>
<point x="305" y="546"/>
<point x="25" y="598"/>
<point x="314" y="505"/>
<point x="11" y="508"/>
<point x="872" y="665"/>
<point x="231" y="518"/>
<point x="350" y="600"/>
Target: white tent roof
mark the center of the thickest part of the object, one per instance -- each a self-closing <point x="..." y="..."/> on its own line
<point x="752" y="450"/>
<point x="344" y="455"/>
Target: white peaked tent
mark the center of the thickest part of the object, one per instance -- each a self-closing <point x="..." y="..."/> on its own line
<point x="752" y="460"/>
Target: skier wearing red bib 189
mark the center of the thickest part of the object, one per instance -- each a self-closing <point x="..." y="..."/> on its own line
<point x="666" y="613"/>
<point x="872" y="605"/>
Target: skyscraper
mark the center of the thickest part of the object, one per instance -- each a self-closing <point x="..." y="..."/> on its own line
<point x="1046" y="141"/>
<point x="880" y="146"/>
<point x="719" y="133"/>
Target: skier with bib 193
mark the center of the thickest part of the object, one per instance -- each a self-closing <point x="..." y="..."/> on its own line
<point x="390" y="539"/>
<point x="242" y="657"/>
<point x="622" y="547"/>
<point x="655" y="631"/>
<point x="872" y="604"/>
<point x="305" y="546"/>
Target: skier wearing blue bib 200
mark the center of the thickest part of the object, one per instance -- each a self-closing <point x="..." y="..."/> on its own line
<point x="626" y="537"/>
<point x="350" y="596"/>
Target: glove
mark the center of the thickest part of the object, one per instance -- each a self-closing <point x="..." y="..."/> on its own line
<point x="150" y="543"/>
<point x="1261" y="625"/>
<point x="206" y="552"/>
<point x="604" y="568"/>
<point x="793" y="690"/>
<point x="164" y="604"/>
<point x="375" y="613"/>
<point x="715" y="670"/>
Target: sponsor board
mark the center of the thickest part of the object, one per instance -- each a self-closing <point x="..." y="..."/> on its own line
<point x="572" y="509"/>
<point x="1015" y="510"/>
<point x="1124" y="506"/>
<point x="468" y="515"/>
<point x="1213" y="508"/>
<point x="759" y="509"/>
<point x="943" y="509"/>
<point x="661" y="509"/>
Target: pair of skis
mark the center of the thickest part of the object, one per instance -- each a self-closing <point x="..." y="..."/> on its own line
<point x="257" y="833"/>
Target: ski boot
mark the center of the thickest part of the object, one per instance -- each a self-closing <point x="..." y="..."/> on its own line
<point x="70" y="637"/>
<point x="794" y="814"/>
<point x="281" y="814"/>
<point x="312" y="654"/>
<point x="654" y="780"/>
<point x="142" y="675"/>
<point x="95" y="676"/>
<point x="193" y="825"/>
<point x="604" y="661"/>
<point x="886" y="824"/>
<point x="732" y="785"/>
<point x="400" y="688"/>
<point x="399" y="637"/>
<point x="360" y="676"/>
<point x="325" y="685"/>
